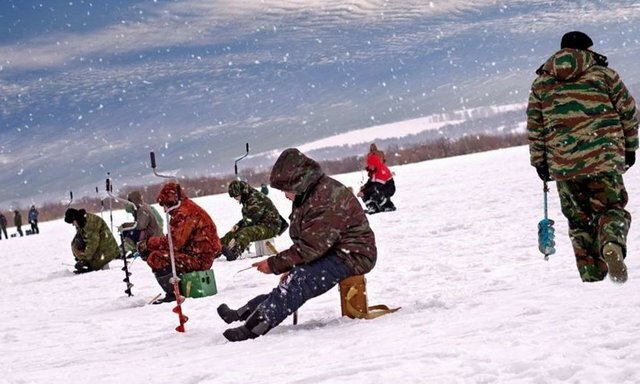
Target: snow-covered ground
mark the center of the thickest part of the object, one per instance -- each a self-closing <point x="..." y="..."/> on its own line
<point x="479" y="303"/>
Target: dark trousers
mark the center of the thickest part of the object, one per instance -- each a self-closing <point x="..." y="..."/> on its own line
<point x="19" y="231"/>
<point x="133" y="234"/>
<point x="34" y="226"/>
<point x="303" y="283"/>
<point x="4" y="230"/>
<point x="377" y="196"/>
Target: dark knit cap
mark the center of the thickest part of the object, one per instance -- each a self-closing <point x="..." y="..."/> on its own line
<point x="576" y="40"/>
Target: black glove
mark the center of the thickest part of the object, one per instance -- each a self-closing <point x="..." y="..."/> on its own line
<point x="543" y="172"/>
<point x="629" y="159"/>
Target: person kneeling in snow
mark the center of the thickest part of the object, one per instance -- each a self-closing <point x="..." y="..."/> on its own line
<point x="93" y="245"/>
<point x="260" y="220"/>
<point x="194" y="236"/>
<point x="377" y="191"/>
<point x="332" y="240"/>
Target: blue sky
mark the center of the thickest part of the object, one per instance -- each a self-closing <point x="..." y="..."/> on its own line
<point x="92" y="87"/>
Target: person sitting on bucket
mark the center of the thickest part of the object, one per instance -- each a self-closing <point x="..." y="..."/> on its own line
<point x="93" y="245"/>
<point x="332" y="240"/>
<point x="260" y="220"/>
<point x="145" y="224"/>
<point x="194" y="236"/>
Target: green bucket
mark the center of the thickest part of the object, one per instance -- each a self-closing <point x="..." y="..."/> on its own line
<point x="198" y="284"/>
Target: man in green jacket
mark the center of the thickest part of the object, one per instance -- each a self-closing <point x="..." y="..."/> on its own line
<point x="94" y="245"/>
<point x="583" y="133"/>
<point x="260" y="220"/>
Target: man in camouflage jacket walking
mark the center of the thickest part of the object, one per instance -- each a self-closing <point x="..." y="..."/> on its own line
<point x="331" y="237"/>
<point x="260" y="220"/>
<point x="583" y="133"/>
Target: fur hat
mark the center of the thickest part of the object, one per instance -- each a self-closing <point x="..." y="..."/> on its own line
<point x="576" y="40"/>
<point x="170" y="194"/>
<point x="78" y="215"/>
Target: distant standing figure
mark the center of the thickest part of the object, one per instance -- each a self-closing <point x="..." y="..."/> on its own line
<point x="3" y="226"/>
<point x="264" y="189"/>
<point x="17" y="221"/>
<point x="33" y="219"/>
<point x="583" y="133"/>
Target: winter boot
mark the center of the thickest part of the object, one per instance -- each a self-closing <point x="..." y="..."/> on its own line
<point x="230" y="315"/>
<point x="372" y="207"/>
<point x="255" y="326"/>
<point x="164" y="280"/>
<point x="82" y="267"/>
<point x="231" y="253"/>
<point x="388" y="205"/>
<point x="613" y="256"/>
<point x="240" y="333"/>
<point x="233" y="250"/>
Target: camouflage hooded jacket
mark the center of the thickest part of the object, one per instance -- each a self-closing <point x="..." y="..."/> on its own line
<point x="101" y="246"/>
<point x="325" y="216"/>
<point x="192" y="230"/>
<point x="580" y="117"/>
<point x="257" y="208"/>
<point x="145" y="218"/>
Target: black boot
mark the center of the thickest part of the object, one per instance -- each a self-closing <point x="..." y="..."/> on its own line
<point x="164" y="280"/>
<point x="230" y="315"/>
<point x="82" y="267"/>
<point x="231" y="253"/>
<point x="255" y="326"/>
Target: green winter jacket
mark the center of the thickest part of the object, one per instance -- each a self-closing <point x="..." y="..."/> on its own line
<point x="581" y="118"/>
<point x="325" y="217"/>
<point x="257" y="208"/>
<point x="101" y="246"/>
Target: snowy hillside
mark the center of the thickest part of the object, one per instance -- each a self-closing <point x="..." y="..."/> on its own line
<point x="479" y="303"/>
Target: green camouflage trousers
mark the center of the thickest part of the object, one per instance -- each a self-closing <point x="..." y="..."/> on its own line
<point x="245" y="236"/>
<point x="594" y="207"/>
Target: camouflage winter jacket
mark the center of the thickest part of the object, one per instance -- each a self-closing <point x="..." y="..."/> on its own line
<point x="580" y="117"/>
<point x="193" y="232"/>
<point x="145" y="217"/>
<point x="325" y="216"/>
<point x="100" y="245"/>
<point x="257" y="208"/>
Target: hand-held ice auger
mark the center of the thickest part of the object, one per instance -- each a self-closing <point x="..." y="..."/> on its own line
<point x="101" y="203"/>
<point x="70" y="199"/>
<point x="546" y="232"/>
<point x="123" y="252"/>
<point x="175" y="280"/>
<point x="235" y="165"/>
<point x="109" y="191"/>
